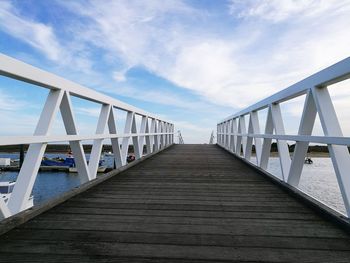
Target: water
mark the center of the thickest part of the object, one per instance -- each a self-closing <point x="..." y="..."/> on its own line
<point x="49" y="184"/>
<point x="318" y="180"/>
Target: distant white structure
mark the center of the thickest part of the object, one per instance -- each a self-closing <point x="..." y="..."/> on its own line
<point x="211" y="140"/>
<point x="5" y="161"/>
<point x="180" y="139"/>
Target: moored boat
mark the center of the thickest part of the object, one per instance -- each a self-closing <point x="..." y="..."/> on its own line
<point x="67" y="162"/>
<point x="6" y="189"/>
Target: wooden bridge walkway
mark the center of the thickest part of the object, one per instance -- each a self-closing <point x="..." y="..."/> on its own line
<point x="190" y="203"/>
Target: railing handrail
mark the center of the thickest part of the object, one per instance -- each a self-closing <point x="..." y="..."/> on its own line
<point x="19" y="70"/>
<point x="233" y="133"/>
<point x="154" y="135"/>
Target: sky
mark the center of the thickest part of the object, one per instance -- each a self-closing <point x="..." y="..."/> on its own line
<point x="192" y="62"/>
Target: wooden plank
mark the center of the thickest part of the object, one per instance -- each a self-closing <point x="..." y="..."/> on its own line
<point x="183" y="213"/>
<point x="174" y="251"/>
<point x="182" y="239"/>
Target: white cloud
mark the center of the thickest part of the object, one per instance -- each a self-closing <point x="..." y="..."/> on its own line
<point x="167" y="98"/>
<point x="17" y="123"/>
<point x="42" y="37"/>
<point x="236" y="69"/>
<point x="120" y="75"/>
<point x="277" y="11"/>
<point x="38" y="35"/>
<point x="10" y="103"/>
<point x="89" y="111"/>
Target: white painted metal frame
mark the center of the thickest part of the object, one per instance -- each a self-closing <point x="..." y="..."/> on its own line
<point x="212" y="137"/>
<point x="156" y="137"/>
<point x="318" y="101"/>
<point x="180" y="139"/>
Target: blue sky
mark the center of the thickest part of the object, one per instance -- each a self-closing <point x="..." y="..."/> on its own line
<point x="192" y="62"/>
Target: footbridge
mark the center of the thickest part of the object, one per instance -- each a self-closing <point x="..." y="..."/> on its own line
<point x="179" y="202"/>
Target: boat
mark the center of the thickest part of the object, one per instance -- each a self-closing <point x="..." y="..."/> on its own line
<point x="68" y="162"/>
<point x="101" y="168"/>
<point x="107" y="154"/>
<point x="6" y="189"/>
<point x="130" y="158"/>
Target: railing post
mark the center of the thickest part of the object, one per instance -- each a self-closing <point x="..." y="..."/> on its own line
<point x="172" y="133"/>
<point x="135" y="139"/>
<point x="217" y="134"/>
<point x="76" y="146"/>
<point x="266" y="147"/>
<point x="126" y="140"/>
<point x="153" y="138"/>
<point x="156" y="137"/>
<point x="233" y="138"/>
<point x="249" y="145"/>
<point x="227" y="136"/>
<point x="254" y="118"/>
<point x="243" y="135"/>
<point x="28" y="173"/>
<point x="95" y="154"/>
<point x="115" y="141"/>
<point x="148" y="137"/>
<point x="4" y="210"/>
<point x="282" y="145"/>
<point x="305" y="128"/>
<point x="223" y="131"/>
<point x="221" y="134"/>
<point x="338" y="153"/>
<point x="142" y="137"/>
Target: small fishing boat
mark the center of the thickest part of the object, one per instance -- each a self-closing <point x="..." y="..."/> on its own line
<point x="6" y="189"/>
<point x="67" y="164"/>
<point x="57" y="161"/>
<point x="101" y="168"/>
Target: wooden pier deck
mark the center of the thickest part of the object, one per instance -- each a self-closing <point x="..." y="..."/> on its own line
<point x="190" y="203"/>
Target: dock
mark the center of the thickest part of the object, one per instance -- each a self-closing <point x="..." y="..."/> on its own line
<point x="188" y="203"/>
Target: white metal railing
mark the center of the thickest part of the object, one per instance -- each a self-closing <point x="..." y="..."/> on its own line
<point x="233" y="134"/>
<point x="212" y="137"/>
<point x="180" y="139"/>
<point x="156" y="135"/>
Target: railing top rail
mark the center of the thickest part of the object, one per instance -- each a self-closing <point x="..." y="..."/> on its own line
<point x="333" y="74"/>
<point x="19" y="70"/>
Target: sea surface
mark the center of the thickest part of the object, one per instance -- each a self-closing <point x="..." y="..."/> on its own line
<point x="49" y="184"/>
<point x="318" y="180"/>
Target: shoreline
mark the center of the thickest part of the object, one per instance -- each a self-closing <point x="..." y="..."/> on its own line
<point x="272" y="154"/>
